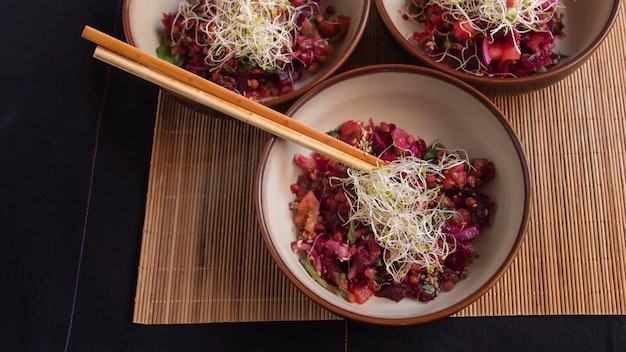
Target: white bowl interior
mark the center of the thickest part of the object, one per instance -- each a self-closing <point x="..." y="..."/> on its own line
<point x="584" y="21"/>
<point x="145" y="27"/>
<point x="432" y="109"/>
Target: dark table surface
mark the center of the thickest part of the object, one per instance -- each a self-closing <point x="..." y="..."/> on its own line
<point x="75" y="146"/>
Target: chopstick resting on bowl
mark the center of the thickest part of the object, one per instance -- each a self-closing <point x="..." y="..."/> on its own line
<point x="202" y="91"/>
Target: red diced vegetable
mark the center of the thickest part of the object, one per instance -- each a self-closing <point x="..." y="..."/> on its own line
<point x="361" y="294"/>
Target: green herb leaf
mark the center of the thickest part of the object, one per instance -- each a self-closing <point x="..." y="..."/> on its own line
<point x="433" y="151"/>
<point x="559" y="57"/>
<point x="334" y="133"/>
<point x="428" y="288"/>
<point x="351" y="233"/>
<point x="341" y="281"/>
<point x="309" y="268"/>
<point x="166" y="53"/>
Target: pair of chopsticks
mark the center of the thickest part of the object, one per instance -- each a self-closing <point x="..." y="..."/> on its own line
<point x="186" y="84"/>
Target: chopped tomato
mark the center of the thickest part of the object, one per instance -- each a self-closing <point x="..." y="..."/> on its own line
<point x="534" y="42"/>
<point x="351" y="132"/>
<point x="309" y="30"/>
<point x="451" y="38"/>
<point x="370" y="273"/>
<point x="463" y="30"/>
<point x="360" y="294"/>
<point x="502" y="52"/>
<point x="306" y="212"/>
<point x="334" y="28"/>
<point x="510" y="52"/>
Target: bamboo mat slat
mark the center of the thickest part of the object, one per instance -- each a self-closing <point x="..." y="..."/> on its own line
<point x="203" y="259"/>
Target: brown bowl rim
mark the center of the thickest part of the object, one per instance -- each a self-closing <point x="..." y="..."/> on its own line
<point x="331" y="69"/>
<point x="560" y="70"/>
<point x="411" y="69"/>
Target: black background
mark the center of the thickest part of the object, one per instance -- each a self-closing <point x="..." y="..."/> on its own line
<point x="75" y="145"/>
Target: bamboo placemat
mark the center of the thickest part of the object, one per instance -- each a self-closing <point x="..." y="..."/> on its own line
<point x="203" y="258"/>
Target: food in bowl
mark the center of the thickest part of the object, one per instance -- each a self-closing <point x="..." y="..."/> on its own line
<point x="144" y="29"/>
<point x="585" y="23"/>
<point x="425" y="103"/>
<point x="404" y="230"/>
<point x="256" y="48"/>
<point x="492" y="38"/>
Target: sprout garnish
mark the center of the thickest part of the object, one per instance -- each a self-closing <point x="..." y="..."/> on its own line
<point x="405" y="214"/>
<point x="261" y="30"/>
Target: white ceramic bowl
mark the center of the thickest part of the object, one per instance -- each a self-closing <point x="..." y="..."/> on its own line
<point x="142" y="26"/>
<point x="427" y="104"/>
<point x="586" y="24"/>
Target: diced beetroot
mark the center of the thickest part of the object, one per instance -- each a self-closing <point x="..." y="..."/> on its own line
<point x="483" y="168"/>
<point x="451" y="227"/>
<point x="459" y="258"/>
<point x="423" y="37"/>
<point x="435" y="15"/>
<point x="394" y="292"/>
<point x="331" y="267"/>
<point x="365" y="256"/>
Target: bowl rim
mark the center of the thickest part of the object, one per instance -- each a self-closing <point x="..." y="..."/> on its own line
<point x="319" y="77"/>
<point x="557" y="71"/>
<point x="410" y="69"/>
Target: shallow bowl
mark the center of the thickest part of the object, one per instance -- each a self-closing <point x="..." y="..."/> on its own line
<point x="429" y="105"/>
<point x="586" y="25"/>
<point x="143" y="29"/>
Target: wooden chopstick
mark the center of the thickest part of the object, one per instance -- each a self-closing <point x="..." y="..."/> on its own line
<point x="187" y="84"/>
<point x="228" y="108"/>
